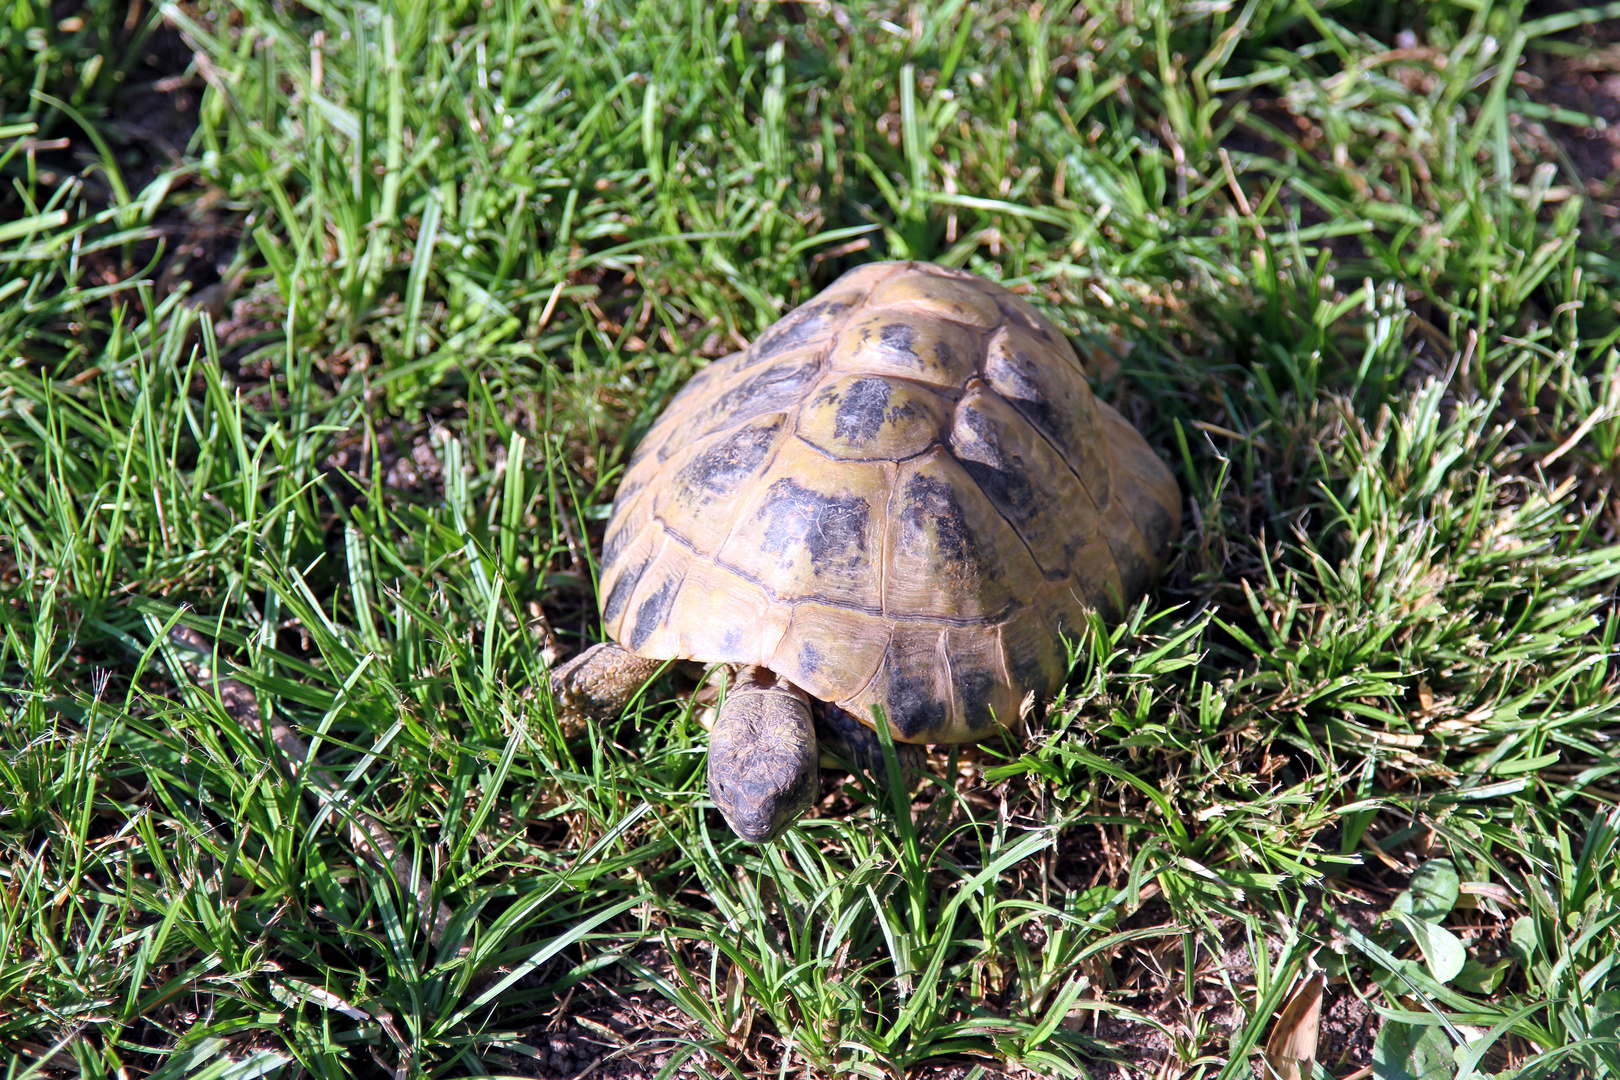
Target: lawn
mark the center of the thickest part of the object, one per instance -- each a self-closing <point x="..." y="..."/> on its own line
<point x="326" y="332"/>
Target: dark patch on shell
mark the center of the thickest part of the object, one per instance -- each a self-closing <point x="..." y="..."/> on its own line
<point x="622" y="589"/>
<point x="775" y="389"/>
<point x="912" y="704"/>
<point x="653" y="611"/>
<point x="975" y="687"/>
<point x="809" y="658"/>
<point x="860" y="413"/>
<point x="1018" y="379"/>
<point x="721" y="469"/>
<point x="928" y="501"/>
<point x="944" y="354"/>
<point x="902" y="412"/>
<point x="798" y="328"/>
<point x="1029" y="673"/>
<point x="899" y="337"/>
<point x="615" y="543"/>
<point x="832" y="528"/>
<point x="1003" y="479"/>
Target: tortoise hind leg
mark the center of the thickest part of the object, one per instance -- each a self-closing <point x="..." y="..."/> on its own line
<point x="598" y="683"/>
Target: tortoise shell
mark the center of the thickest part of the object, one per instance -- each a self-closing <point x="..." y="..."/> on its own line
<point x="902" y="495"/>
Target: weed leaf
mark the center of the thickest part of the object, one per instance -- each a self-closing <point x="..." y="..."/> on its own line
<point x="1443" y="953"/>
<point x="1411" y="1052"/>
<point x="1433" y="891"/>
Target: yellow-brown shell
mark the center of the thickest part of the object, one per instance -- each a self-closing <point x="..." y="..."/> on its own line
<point x="901" y="495"/>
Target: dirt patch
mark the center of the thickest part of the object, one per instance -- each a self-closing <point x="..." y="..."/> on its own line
<point x="147" y="122"/>
<point x="1349" y="1026"/>
<point x="630" y="1039"/>
<point x="1574" y="80"/>
<point x="1588" y="86"/>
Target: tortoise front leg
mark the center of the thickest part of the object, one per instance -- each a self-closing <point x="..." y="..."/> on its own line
<point x="843" y="736"/>
<point x="598" y="683"/>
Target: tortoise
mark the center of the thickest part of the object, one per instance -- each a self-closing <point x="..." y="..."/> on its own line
<point x="903" y="494"/>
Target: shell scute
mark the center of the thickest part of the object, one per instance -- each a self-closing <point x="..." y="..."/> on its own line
<point x="812" y="528"/>
<point x="700" y="385"/>
<point x="1035" y="657"/>
<point x="1150" y="490"/>
<point x="981" y="695"/>
<point x="690" y="401"/>
<point x="620" y="582"/>
<point x="631" y="512"/>
<point x="1045" y="384"/>
<point x="829" y="528"/>
<point x="1097" y="573"/>
<point x="939" y="297"/>
<point x="950" y="555"/>
<point x="888" y="342"/>
<point x="912" y="685"/>
<point x="646" y="624"/>
<point x="728" y="402"/>
<point x="828" y="649"/>
<point x="770" y="389"/>
<point x="809" y="325"/>
<point x="1026" y="480"/>
<point x="871" y="418"/>
<point x="721" y="467"/>
<point x="696" y="503"/>
<point x="720" y="616"/>
<point x="1021" y="313"/>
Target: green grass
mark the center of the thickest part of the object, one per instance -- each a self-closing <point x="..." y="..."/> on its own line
<point x="1365" y="307"/>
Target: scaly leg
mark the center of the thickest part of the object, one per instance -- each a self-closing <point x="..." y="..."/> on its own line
<point x="598" y="683"/>
<point x="842" y="735"/>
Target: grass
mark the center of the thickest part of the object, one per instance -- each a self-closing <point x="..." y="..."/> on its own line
<point x="347" y="384"/>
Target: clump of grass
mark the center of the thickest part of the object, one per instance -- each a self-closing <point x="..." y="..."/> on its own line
<point x="1364" y="726"/>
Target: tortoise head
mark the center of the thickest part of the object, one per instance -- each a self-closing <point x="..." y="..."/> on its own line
<point x="764" y="767"/>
